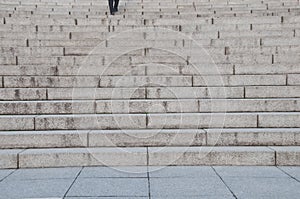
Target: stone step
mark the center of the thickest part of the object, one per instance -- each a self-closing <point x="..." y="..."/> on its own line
<point x="102" y="13"/>
<point x="13" y="122"/>
<point x="149" y="69"/>
<point x="151" y="121"/>
<point x="150" y="138"/>
<point x="71" y="93"/>
<point x="148" y="106"/>
<point x="266" y="69"/>
<point x="152" y="93"/>
<point x="202" y="105"/>
<point x="225" y="71"/>
<point x="32" y="51"/>
<point x="136" y="93"/>
<point x="155" y="21"/>
<point x="36" y="35"/>
<point x="23" y="94"/>
<point x="118" y="28"/>
<point x="94" y="81"/>
<point x="135" y="60"/>
<point x="278" y="28"/>
<point x="272" y="91"/>
<point x="153" y="9"/>
<point x="151" y="5"/>
<point x="167" y="121"/>
<point x="210" y="92"/>
<point x="235" y="53"/>
<point x="46" y="107"/>
<point x="218" y="53"/>
<point x="103" y="138"/>
<point x="138" y="57"/>
<point x="50" y="81"/>
<point x="152" y="156"/>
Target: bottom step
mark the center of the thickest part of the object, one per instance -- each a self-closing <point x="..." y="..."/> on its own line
<point x="153" y="156"/>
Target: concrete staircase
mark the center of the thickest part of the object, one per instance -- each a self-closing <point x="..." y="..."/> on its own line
<point x="173" y="82"/>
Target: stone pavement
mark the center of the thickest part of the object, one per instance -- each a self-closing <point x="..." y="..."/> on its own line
<point x="152" y="182"/>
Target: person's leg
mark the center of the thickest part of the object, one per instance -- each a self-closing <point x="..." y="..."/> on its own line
<point x="111" y="7"/>
<point x="116" y="5"/>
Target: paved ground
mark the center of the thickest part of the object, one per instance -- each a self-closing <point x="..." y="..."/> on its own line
<point x="153" y="182"/>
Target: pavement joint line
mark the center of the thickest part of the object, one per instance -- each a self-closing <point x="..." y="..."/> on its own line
<point x="288" y="174"/>
<point x="148" y="174"/>
<point x="8" y="175"/>
<point x="233" y="194"/>
<point x="65" y="195"/>
<point x="109" y="177"/>
<point x="149" y="184"/>
<point x="41" y="179"/>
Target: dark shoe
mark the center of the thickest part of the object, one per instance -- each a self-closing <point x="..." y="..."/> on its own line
<point x="116" y="9"/>
<point x="112" y="13"/>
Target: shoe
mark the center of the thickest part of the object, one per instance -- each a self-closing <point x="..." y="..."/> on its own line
<point x="116" y="9"/>
<point x="112" y="13"/>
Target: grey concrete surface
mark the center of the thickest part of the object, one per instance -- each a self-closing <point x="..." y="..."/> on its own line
<point x="229" y="182"/>
<point x="4" y="173"/>
<point x="292" y="171"/>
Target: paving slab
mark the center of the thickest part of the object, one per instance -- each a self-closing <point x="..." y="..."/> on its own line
<point x="110" y="187"/>
<point x="186" y="187"/>
<point x="5" y="172"/>
<point x="246" y="171"/>
<point x="45" y="173"/>
<point x="196" y="197"/>
<point x="249" y="187"/>
<point x="181" y="171"/>
<point x="114" y="172"/>
<point x="107" y="197"/>
<point x="165" y="183"/>
<point x="293" y="171"/>
<point x="55" y="188"/>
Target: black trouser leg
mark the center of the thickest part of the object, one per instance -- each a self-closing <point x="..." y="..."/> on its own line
<point x="116" y="4"/>
<point x="111" y="7"/>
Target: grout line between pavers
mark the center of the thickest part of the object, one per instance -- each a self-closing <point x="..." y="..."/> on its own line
<point x="224" y="183"/>
<point x="65" y="195"/>
<point x="287" y="174"/>
<point x="147" y="149"/>
<point x="8" y="175"/>
<point x="148" y="174"/>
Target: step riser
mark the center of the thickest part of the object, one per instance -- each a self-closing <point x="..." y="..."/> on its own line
<point x="261" y="156"/>
<point x="150" y="121"/>
<point x="155" y="69"/>
<point x="149" y="138"/>
<point x="147" y="106"/>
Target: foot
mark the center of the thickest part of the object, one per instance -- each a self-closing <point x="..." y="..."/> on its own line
<point x="112" y="13"/>
<point x="116" y="9"/>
